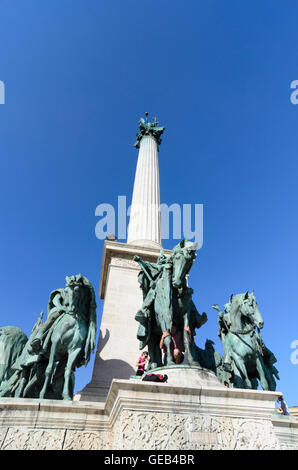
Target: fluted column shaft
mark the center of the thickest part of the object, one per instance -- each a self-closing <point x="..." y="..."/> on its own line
<point x="145" y="221"/>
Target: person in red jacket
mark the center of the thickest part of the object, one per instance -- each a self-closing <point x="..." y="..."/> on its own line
<point x="141" y="363"/>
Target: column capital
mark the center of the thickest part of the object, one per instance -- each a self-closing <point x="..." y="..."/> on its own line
<point x="149" y="128"/>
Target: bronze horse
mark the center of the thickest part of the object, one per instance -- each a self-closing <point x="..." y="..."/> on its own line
<point x="45" y="369"/>
<point x="167" y="301"/>
<point x="241" y="341"/>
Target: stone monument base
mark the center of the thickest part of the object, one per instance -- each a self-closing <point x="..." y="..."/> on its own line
<point x="154" y="416"/>
<point x="179" y="375"/>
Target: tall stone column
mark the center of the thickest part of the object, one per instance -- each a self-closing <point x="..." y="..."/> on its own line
<point x="118" y="347"/>
<point x="145" y="223"/>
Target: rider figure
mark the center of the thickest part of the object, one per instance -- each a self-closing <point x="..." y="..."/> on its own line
<point x="153" y="272"/>
<point x="58" y="305"/>
<point x="160" y="272"/>
<point x="224" y="326"/>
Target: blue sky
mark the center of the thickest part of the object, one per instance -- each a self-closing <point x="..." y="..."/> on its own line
<point x="79" y="74"/>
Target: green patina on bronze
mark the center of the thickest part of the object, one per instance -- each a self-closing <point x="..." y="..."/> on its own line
<point x="45" y="366"/>
<point x="12" y="342"/>
<point x="167" y="301"/>
<point x="212" y="360"/>
<point x="147" y="128"/>
<point x="246" y="355"/>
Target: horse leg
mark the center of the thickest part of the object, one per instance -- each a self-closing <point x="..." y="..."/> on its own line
<point x="49" y="370"/>
<point x="240" y="373"/>
<point x="29" y="385"/>
<point x="190" y="347"/>
<point x="238" y="381"/>
<point x="34" y="378"/>
<point x="154" y="352"/>
<point x="157" y="352"/>
<point x="72" y="356"/>
<point x="151" y="352"/>
<point x="271" y="381"/>
<point x="23" y="381"/>
<point x="261" y="371"/>
<point x="254" y="383"/>
<point x="167" y="342"/>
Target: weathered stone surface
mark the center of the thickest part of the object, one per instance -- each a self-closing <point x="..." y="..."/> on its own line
<point x="33" y="439"/>
<point x="286" y="429"/>
<point x="195" y="418"/>
<point x="169" y="431"/>
<point x="85" y="440"/>
<point x="193" y="376"/>
<point x="153" y="416"/>
<point x="3" y="432"/>
<point x="192" y="432"/>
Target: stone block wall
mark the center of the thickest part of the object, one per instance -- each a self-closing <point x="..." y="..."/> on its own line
<point x="149" y="416"/>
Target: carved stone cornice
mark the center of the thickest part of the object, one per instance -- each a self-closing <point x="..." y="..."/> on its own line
<point x="121" y="255"/>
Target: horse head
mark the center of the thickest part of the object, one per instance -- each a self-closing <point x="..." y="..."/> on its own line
<point x="182" y="257"/>
<point x="76" y="294"/>
<point x="246" y="308"/>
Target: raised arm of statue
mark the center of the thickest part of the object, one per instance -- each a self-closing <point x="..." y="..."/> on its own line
<point x="57" y="303"/>
<point x="220" y="313"/>
<point x="144" y="265"/>
<point x="141" y="262"/>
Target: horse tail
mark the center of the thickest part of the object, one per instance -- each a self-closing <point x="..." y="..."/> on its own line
<point x="91" y="335"/>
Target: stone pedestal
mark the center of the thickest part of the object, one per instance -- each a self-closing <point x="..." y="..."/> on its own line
<point x="118" y="347"/>
<point x="286" y="430"/>
<point x="294" y="411"/>
<point x="154" y="416"/>
<point x="193" y="376"/>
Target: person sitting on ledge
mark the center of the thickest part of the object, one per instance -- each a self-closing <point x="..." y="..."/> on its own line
<point x="177" y="347"/>
<point x="142" y="361"/>
<point x="282" y="407"/>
